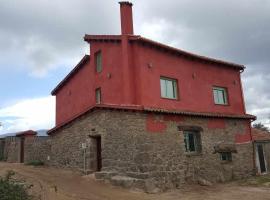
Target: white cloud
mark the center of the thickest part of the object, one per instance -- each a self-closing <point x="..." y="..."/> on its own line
<point x="37" y="113"/>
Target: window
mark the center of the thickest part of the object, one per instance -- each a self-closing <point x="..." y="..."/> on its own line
<point x="98" y="95"/>
<point x="226" y="156"/>
<point x="168" y="88"/>
<point x="192" y="141"/>
<point x="98" y="60"/>
<point x="220" y="95"/>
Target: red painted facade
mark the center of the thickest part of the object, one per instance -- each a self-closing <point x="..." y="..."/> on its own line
<point x="131" y="71"/>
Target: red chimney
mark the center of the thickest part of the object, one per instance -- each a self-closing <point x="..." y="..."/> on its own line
<point x="126" y="17"/>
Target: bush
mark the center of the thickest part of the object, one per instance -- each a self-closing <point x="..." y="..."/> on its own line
<point x="11" y="189"/>
<point x="35" y="163"/>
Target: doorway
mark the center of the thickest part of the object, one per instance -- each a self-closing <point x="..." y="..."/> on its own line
<point x="95" y="149"/>
<point x="21" y="149"/>
<point x="261" y="159"/>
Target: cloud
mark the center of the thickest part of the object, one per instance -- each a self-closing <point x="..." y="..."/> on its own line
<point x="230" y="30"/>
<point x="40" y="36"/>
<point x="37" y="113"/>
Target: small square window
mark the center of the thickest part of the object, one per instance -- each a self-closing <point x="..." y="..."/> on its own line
<point x="226" y="156"/>
<point x="98" y="96"/>
<point x="192" y="141"/>
<point x="98" y="61"/>
<point x="220" y="95"/>
<point x="168" y="88"/>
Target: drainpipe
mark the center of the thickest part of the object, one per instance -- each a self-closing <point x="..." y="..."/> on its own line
<point x="253" y="148"/>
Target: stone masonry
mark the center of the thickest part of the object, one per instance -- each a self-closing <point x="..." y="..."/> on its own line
<point x="37" y="149"/>
<point x="12" y="149"/>
<point x="147" y="151"/>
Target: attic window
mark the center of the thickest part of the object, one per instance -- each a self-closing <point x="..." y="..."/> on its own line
<point x="98" y="61"/>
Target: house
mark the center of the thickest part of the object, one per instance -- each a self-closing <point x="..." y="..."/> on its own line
<point x="261" y="142"/>
<point x="155" y="116"/>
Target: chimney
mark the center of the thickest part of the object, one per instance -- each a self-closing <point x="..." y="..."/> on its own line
<point x="126" y="17"/>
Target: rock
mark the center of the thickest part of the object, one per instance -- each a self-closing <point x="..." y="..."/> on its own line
<point x="104" y="174"/>
<point x="204" y="182"/>
<point x="124" y="181"/>
<point x="150" y="187"/>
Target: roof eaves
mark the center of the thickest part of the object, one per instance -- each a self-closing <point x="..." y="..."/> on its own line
<point x="71" y="73"/>
<point x="28" y="132"/>
<point x="200" y="114"/>
<point x="146" y="109"/>
<point x="89" y="38"/>
<point x="185" y="53"/>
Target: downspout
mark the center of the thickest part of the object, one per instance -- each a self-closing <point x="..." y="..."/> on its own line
<point x="253" y="148"/>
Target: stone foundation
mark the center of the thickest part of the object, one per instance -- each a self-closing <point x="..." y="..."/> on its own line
<point x="147" y="151"/>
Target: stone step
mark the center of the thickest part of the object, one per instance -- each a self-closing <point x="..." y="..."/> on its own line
<point x="85" y="172"/>
<point x="105" y="174"/>
<point x="137" y="175"/>
<point x="127" y="182"/>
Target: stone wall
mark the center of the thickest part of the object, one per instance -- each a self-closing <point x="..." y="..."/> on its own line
<point x="150" y="148"/>
<point x="37" y="149"/>
<point x="12" y="149"/>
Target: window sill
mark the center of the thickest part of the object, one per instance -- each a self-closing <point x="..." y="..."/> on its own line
<point x="166" y="98"/>
<point x="226" y="162"/>
<point x="216" y="104"/>
<point x="191" y="154"/>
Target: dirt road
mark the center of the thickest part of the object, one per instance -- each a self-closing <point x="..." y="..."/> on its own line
<point x="57" y="184"/>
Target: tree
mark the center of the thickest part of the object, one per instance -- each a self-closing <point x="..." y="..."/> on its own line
<point x="260" y="126"/>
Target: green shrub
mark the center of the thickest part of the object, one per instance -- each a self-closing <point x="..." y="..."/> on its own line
<point x="11" y="189"/>
<point x="35" y="163"/>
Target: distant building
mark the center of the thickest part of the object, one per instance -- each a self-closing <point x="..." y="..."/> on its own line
<point x="158" y="115"/>
<point x="261" y="141"/>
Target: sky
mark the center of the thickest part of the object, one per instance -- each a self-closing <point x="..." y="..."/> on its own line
<point x="42" y="40"/>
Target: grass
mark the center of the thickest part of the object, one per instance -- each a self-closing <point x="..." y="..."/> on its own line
<point x="263" y="180"/>
<point x="11" y="189"/>
<point x="35" y="163"/>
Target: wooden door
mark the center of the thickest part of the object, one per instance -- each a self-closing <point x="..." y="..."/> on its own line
<point x="99" y="159"/>
<point x="21" y="150"/>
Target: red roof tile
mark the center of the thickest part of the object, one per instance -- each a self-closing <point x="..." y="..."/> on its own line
<point x="138" y="38"/>
<point x="146" y="109"/>
<point x="26" y="133"/>
<point x="259" y="135"/>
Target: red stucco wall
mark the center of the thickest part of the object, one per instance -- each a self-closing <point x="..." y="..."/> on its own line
<point x="195" y="82"/>
<point x="126" y="78"/>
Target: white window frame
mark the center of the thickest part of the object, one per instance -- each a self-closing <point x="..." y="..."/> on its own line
<point x="98" y="95"/>
<point x="165" y="84"/>
<point x="220" y="95"/>
<point x="98" y="61"/>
